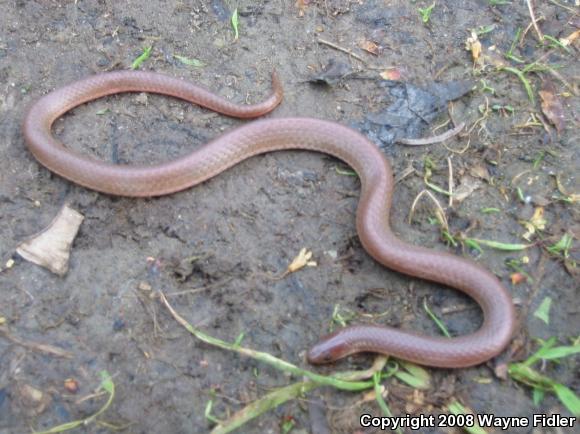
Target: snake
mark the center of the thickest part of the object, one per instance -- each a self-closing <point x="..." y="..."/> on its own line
<point x="277" y="134"/>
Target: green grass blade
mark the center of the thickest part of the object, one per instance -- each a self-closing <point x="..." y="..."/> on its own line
<point x="235" y="24"/>
<point x="525" y="374"/>
<point x="189" y="62"/>
<point x="415" y="376"/>
<point x="436" y="320"/>
<point x="568" y="398"/>
<point x="510" y="247"/>
<point x="543" y="311"/>
<point x="560" y="352"/>
<point x="142" y="58"/>
<point x="380" y="401"/>
<point x="457" y="408"/>
<point x="524" y="81"/>
<point x="264" y="404"/>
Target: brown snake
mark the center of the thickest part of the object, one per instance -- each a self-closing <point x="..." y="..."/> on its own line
<point x="262" y="136"/>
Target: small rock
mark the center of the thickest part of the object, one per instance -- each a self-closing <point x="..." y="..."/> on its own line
<point x="144" y="286"/>
<point x="333" y="254"/>
<point x="71" y="385"/>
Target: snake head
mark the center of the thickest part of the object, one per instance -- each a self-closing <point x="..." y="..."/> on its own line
<point x="329" y="349"/>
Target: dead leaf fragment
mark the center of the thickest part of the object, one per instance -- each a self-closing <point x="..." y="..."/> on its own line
<point x="301" y="261"/>
<point x="302" y="5"/>
<point x="570" y="38"/>
<point x="536" y="223"/>
<point x="480" y="171"/>
<point x="468" y="185"/>
<point x="472" y="44"/>
<point x="50" y="248"/>
<point x="332" y="73"/>
<point x="369" y="46"/>
<point x="552" y="105"/>
<point x="144" y="286"/>
<point x="573" y="197"/>
<point x="32" y="400"/>
<point x="391" y="74"/>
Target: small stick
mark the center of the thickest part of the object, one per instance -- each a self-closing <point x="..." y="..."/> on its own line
<point x="438" y="206"/>
<point x="450" y="181"/>
<point x="562" y="6"/>
<point x="535" y="24"/>
<point x="406" y="172"/>
<point x="455" y="151"/>
<point x="339" y="48"/>
<point x="200" y="288"/>
<point x="434" y="139"/>
<point x="34" y="346"/>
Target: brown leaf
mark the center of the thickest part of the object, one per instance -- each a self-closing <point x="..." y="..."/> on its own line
<point x="480" y="171"/>
<point x="51" y="247"/>
<point x="472" y="44"/>
<point x="468" y="185"/>
<point x="302" y="5"/>
<point x="552" y="106"/>
<point x="392" y="74"/>
<point x="369" y="46"/>
<point x="32" y="400"/>
<point x="571" y="38"/>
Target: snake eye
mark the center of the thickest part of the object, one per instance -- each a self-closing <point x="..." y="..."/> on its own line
<point x="327" y="358"/>
<point x="328" y="350"/>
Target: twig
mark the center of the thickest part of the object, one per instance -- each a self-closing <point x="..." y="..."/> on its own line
<point x="535" y="24"/>
<point x="200" y="288"/>
<point x="339" y="48"/>
<point x="403" y="174"/>
<point x="574" y="11"/>
<point x="433" y="139"/>
<point x="527" y="29"/>
<point x="438" y="206"/>
<point x="42" y="348"/>
<point x="462" y="151"/>
<point x="450" y="181"/>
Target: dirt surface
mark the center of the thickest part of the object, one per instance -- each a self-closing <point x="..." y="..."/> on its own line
<point x="215" y="244"/>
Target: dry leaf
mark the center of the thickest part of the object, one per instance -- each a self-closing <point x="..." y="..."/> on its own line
<point x="391" y="74"/>
<point x="472" y="44"/>
<point x="551" y="105"/>
<point x="369" y="46"/>
<point x="302" y="5"/>
<point x="573" y="197"/>
<point x="570" y="39"/>
<point x="32" y="400"/>
<point x="50" y="248"/>
<point x="301" y="261"/>
<point x="480" y="171"/>
<point x="468" y="186"/>
<point x="536" y="223"/>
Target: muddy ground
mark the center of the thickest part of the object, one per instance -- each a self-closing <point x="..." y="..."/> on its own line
<point x="253" y="219"/>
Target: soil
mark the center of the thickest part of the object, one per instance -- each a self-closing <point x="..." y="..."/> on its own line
<point x="210" y="249"/>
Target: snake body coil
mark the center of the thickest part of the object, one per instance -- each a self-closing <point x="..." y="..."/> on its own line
<point x="262" y="136"/>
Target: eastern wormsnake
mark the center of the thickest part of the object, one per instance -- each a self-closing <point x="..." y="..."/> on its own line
<point x="262" y="136"/>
